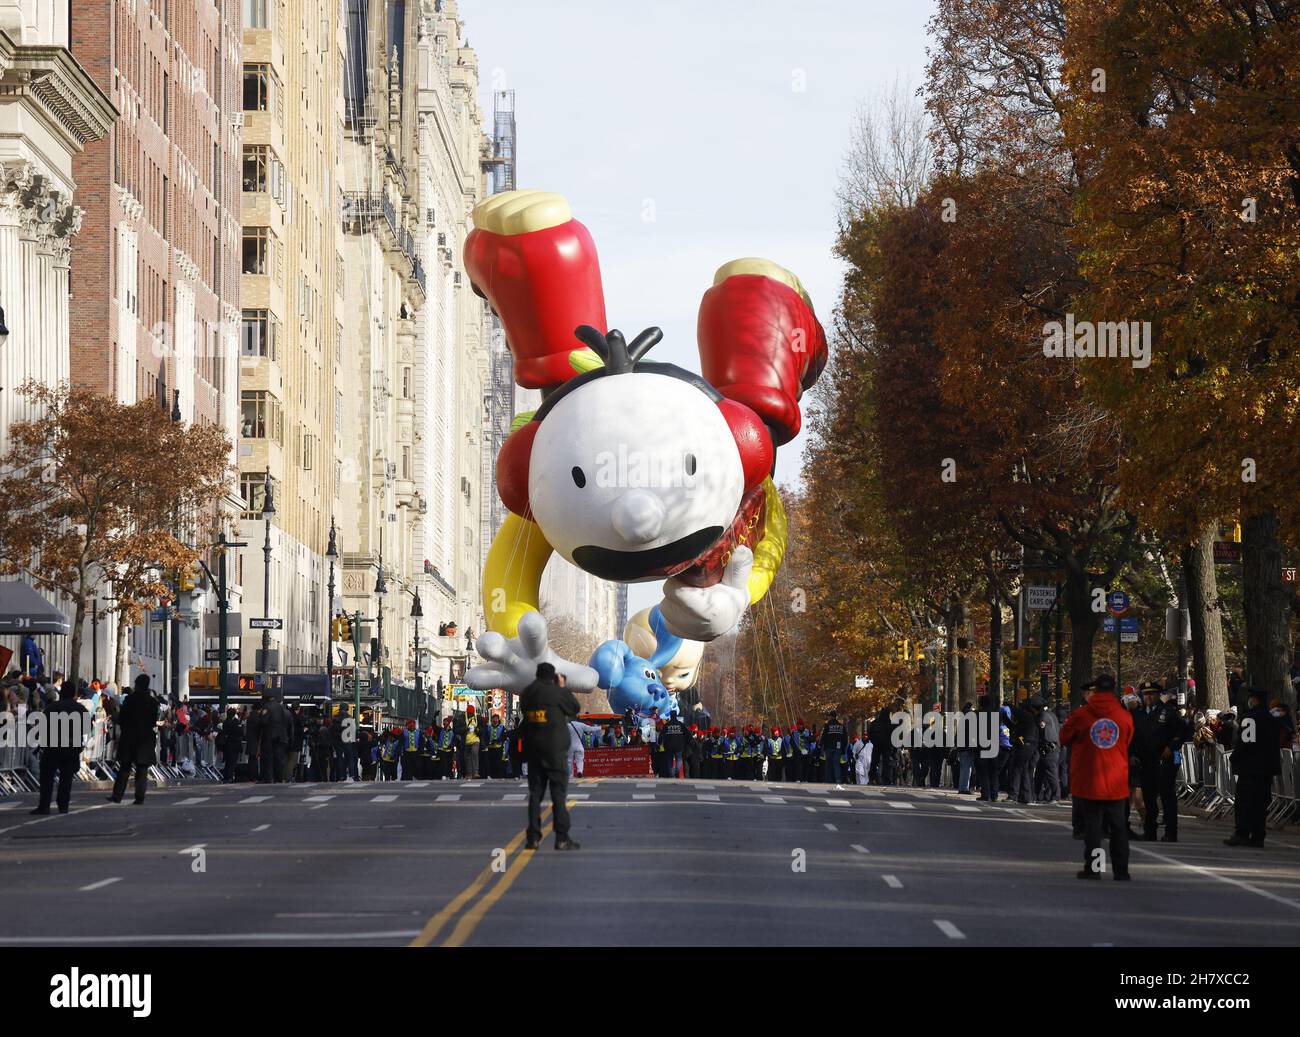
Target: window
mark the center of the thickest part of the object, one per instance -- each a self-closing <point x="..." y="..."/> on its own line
<point x="257" y="168"/>
<point x="252" y="487"/>
<point x="256" y="248"/>
<point x="256" y="14"/>
<point x="258" y="88"/>
<point x="259" y="334"/>
<point x="308" y="442"/>
<point x="406" y="463"/>
<point x="406" y="383"/>
<point x="260" y="416"/>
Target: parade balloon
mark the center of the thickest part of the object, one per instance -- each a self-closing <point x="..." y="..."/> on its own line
<point x="682" y="669"/>
<point x="632" y="469"/>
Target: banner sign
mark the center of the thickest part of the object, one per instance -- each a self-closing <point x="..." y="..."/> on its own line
<point x="616" y="763"/>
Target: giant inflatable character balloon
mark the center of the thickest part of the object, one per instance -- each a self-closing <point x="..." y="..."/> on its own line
<point x="681" y="669"/>
<point x="631" y="469"/>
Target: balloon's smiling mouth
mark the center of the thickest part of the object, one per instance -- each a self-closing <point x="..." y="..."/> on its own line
<point x="664" y="561"/>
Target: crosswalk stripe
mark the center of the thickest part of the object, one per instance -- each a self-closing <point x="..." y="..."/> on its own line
<point x="382" y="799"/>
<point x="99" y="885"/>
<point x="902" y="806"/>
<point x="829" y="827"/>
<point x="892" y="881"/>
<point x="949" y="930"/>
<point x="514" y="796"/>
<point x="772" y="799"/>
<point x="192" y="801"/>
<point x="643" y="795"/>
<point x="255" y="799"/>
<point x="318" y="799"/>
<point x="838" y="803"/>
<point x="708" y="797"/>
<point x="859" y="847"/>
<point x="450" y="797"/>
<point x="966" y="807"/>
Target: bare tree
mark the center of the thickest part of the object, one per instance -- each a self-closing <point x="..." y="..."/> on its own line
<point x="890" y="154"/>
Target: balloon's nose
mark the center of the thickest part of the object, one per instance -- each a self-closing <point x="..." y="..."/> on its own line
<point x="637" y="516"/>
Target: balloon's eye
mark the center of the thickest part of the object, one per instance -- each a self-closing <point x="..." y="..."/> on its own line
<point x="650" y="674"/>
<point x="579" y="480"/>
<point x="690" y="464"/>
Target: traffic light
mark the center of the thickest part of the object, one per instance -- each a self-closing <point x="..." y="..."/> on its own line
<point x="901" y="652"/>
<point x="1016" y="663"/>
<point x="340" y="629"/>
<point x="187" y="579"/>
<point x="918" y="653"/>
<point x="202" y="677"/>
<point x="248" y="684"/>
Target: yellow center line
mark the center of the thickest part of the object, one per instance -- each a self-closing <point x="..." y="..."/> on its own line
<point x="431" y="928"/>
<point x="470" y="920"/>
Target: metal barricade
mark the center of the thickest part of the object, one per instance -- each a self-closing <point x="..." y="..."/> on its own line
<point x="1283" y="806"/>
<point x="1225" y="783"/>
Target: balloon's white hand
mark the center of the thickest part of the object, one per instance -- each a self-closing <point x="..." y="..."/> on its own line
<point x="512" y="664"/>
<point x="706" y="613"/>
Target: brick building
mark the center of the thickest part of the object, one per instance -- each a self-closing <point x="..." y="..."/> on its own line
<point x="155" y="308"/>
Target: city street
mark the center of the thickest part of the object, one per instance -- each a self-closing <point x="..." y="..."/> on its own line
<point x="662" y="863"/>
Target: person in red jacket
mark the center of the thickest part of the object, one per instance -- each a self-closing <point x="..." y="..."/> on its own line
<point x="1099" y="734"/>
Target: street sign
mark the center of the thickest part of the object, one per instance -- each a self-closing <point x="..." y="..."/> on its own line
<point x="1128" y="628"/>
<point x="1045" y="668"/>
<point x="1226" y="552"/>
<point x="863" y="682"/>
<point x="266" y="624"/>
<point x="1117" y="602"/>
<point x="213" y="655"/>
<point x="1289" y="574"/>
<point x="350" y="685"/>
<point x="1040" y="599"/>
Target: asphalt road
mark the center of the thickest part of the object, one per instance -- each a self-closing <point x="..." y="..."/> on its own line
<point x="662" y="863"/>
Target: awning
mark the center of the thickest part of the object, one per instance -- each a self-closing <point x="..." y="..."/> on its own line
<point x="24" y="611"/>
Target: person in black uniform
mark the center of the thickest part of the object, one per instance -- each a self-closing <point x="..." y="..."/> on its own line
<point x="1158" y="735"/>
<point x="1025" y="736"/>
<point x="832" y="745"/>
<point x="1256" y="758"/>
<point x="673" y="740"/>
<point x="547" y="708"/>
<point x="232" y="741"/>
<point x="65" y="735"/>
<point x="137" y="739"/>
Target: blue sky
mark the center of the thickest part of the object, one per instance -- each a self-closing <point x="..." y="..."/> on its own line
<point x="687" y="134"/>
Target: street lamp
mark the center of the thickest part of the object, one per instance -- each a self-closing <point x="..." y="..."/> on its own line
<point x="381" y="589"/>
<point x="268" y="512"/>
<point x="416" y="613"/>
<point x="332" y="553"/>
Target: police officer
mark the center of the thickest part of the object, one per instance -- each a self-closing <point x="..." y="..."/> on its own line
<point x="1159" y="735"/>
<point x="832" y="744"/>
<point x="548" y="707"/>
<point x="65" y="736"/>
<point x="1025" y="736"/>
<point x="672" y="740"/>
<point x="1256" y="758"/>
<point x="1049" y="756"/>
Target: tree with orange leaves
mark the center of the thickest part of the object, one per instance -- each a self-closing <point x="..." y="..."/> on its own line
<point x="94" y="492"/>
<point x="1188" y="219"/>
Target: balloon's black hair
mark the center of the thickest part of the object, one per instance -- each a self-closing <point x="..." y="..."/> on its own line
<point x="621" y="358"/>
